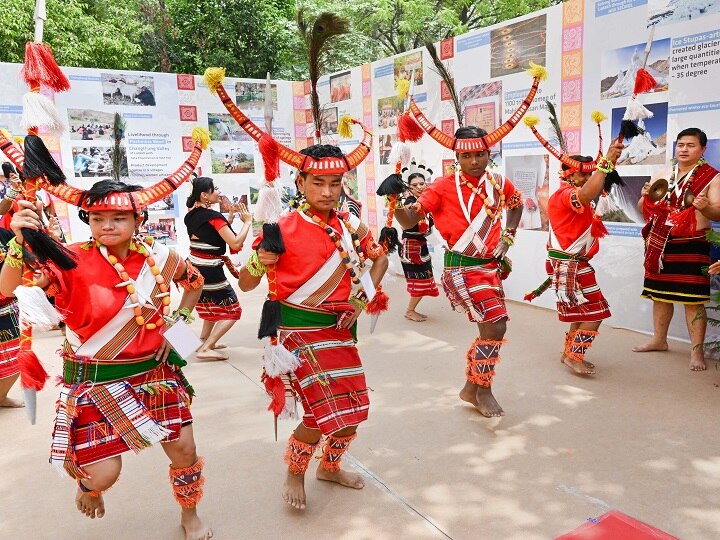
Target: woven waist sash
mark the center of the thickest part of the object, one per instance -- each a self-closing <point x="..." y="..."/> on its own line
<point x="77" y="370"/>
<point x="454" y="259"/>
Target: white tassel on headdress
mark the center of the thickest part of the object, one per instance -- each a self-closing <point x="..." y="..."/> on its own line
<point x="636" y="111"/>
<point x="277" y="360"/>
<point x="401" y="152"/>
<point x="269" y="203"/>
<point x="39" y="111"/>
<point x="35" y="309"/>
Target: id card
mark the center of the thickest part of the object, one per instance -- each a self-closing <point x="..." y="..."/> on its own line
<point x="181" y="338"/>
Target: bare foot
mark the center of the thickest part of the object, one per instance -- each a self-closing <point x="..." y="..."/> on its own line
<point x="414" y="316"/>
<point x="652" y="346"/>
<point x="195" y="529"/>
<point x="344" y="478"/>
<point x="11" y="403"/>
<point x="486" y="403"/>
<point x="468" y="393"/>
<point x="422" y="315"/>
<point x="697" y="361"/>
<point x="211" y="355"/>
<point x="92" y="507"/>
<point x="581" y="368"/>
<point x="294" y="490"/>
<point x="220" y="346"/>
<point x="588" y="364"/>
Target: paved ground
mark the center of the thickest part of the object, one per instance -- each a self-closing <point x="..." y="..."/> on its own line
<point x="641" y="437"/>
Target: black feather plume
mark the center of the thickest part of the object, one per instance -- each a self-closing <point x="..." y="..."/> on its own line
<point x="612" y="179"/>
<point x="447" y="77"/>
<point x="389" y="238"/>
<point x="272" y="239"/>
<point x="392" y="185"/>
<point x="556" y="127"/>
<point x="629" y="129"/>
<point x="39" y="162"/>
<point x="269" y="319"/>
<point x="46" y="249"/>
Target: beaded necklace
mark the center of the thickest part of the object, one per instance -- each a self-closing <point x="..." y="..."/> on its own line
<point x="129" y="284"/>
<point x="677" y="187"/>
<point x="487" y="205"/>
<point x="338" y="243"/>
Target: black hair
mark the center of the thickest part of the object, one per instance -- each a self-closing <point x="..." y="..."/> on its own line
<point x="8" y="169"/>
<point x="102" y="189"/>
<point x="581" y="159"/>
<point x="413" y="176"/>
<point x="470" y="132"/>
<point x="319" y="151"/>
<point x="693" y="132"/>
<point x="201" y="184"/>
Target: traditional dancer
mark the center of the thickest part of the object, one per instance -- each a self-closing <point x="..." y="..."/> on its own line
<point x="122" y="388"/>
<point x="414" y="254"/>
<point x="575" y="231"/>
<point x="9" y="335"/>
<point x="676" y="249"/>
<point x="210" y="233"/>
<point x="314" y="280"/>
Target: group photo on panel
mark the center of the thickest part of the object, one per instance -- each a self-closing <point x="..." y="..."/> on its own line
<point x="376" y="173"/>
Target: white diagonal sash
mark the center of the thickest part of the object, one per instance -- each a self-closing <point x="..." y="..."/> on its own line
<point x="580" y="246"/>
<point x="144" y="285"/>
<point x="320" y="286"/>
<point x="470" y="236"/>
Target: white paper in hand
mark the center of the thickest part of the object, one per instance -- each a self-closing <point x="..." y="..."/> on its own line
<point x="368" y="286"/>
<point x="181" y="338"/>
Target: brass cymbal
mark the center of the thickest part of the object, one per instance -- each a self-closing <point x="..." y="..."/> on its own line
<point x="658" y="190"/>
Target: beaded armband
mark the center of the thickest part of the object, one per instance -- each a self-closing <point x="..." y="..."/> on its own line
<point x="254" y="267"/>
<point x="604" y="165"/>
<point x="515" y="200"/>
<point x="183" y="313"/>
<point x="359" y="300"/>
<point x="575" y="203"/>
<point x="12" y="193"/>
<point x="14" y="256"/>
<point x="508" y="236"/>
<point x="192" y="279"/>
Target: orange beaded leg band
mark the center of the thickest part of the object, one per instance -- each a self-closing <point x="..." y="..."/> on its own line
<point x="578" y="343"/>
<point x="333" y="451"/>
<point x="298" y="455"/>
<point x="481" y="359"/>
<point x="187" y="484"/>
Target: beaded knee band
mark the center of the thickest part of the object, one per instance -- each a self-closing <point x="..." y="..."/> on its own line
<point x="187" y="484"/>
<point x="481" y="359"/>
<point x="578" y="343"/>
<point x="333" y="451"/>
<point x="298" y="455"/>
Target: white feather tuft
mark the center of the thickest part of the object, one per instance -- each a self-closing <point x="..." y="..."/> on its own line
<point x="35" y="309"/>
<point x="277" y="361"/>
<point x="39" y="111"/>
<point x="269" y="204"/>
<point x="401" y="152"/>
<point x="636" y="111"/>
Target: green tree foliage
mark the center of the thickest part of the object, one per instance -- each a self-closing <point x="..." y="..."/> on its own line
<point x="86" y="33"/>
<point x="248" y="37"/>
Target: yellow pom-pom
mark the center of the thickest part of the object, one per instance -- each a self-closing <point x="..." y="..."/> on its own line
<point x="402" y="87"/>
<point x="597" y="117"/>
<point x="531" y="120"/>
<point x="6" y="133"/>
<point x="345" y="127"/>
<point x="19" y="140"/>
<point x="202" y="135"/>
<point x="214" y="77"/>
<point x="537" y="72"/>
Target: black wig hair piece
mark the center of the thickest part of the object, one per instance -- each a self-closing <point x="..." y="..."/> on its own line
<point x="392" y="185"/>
<point x="272" y="239"/>
<point x="39" y="162"/>
<point x="389" y="237"/>
<point x="629" y="129"/>
<point x="269" y="319"/>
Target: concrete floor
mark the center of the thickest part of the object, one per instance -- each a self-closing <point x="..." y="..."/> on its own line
<point x="639" y="437"/>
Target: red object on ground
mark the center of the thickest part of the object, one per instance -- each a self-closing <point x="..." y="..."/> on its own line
<point x="615" y="525"/>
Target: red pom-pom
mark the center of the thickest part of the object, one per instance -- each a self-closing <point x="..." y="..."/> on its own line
<point x="379" y="303"/>
<point x="597" y="229"/>
<point x="269" y="150"/>
<point x="644" y="82"/>
<point x="275" y="388"/>
<point x="32" y="373"/>
<point x="41" y="67"/>
<point x="408" y="128"/>
<point x="529" y="297"/>
<point x="684" y="223"/>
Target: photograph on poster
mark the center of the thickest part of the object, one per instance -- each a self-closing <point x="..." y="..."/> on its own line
<point x="128" y="89"/>
<point x="662" y="12"/>
<point x="223" y="127"/>
<point x="95" y="161"/>
<point x="647" y="148"/>
<point x="406" y="65"/>
<point x="228" y="158"/>
<point x="512" y="47"/>
<point x="329" y="121"/>
<point x="350" y="180"/>
<point x="166" y="205"/>
<point x="252" y="95"/>
<point x="620" y="205"/>
<point x="389" y="111"/>
<point x="162" y="229"/>
<point x="385" y="143"/>
<point x="89" y="125"/>
<point x="340" y="87"/>
<point x="288" y="193"/>
<point x="618" y="68"/>
<point x="530" y="175"/>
